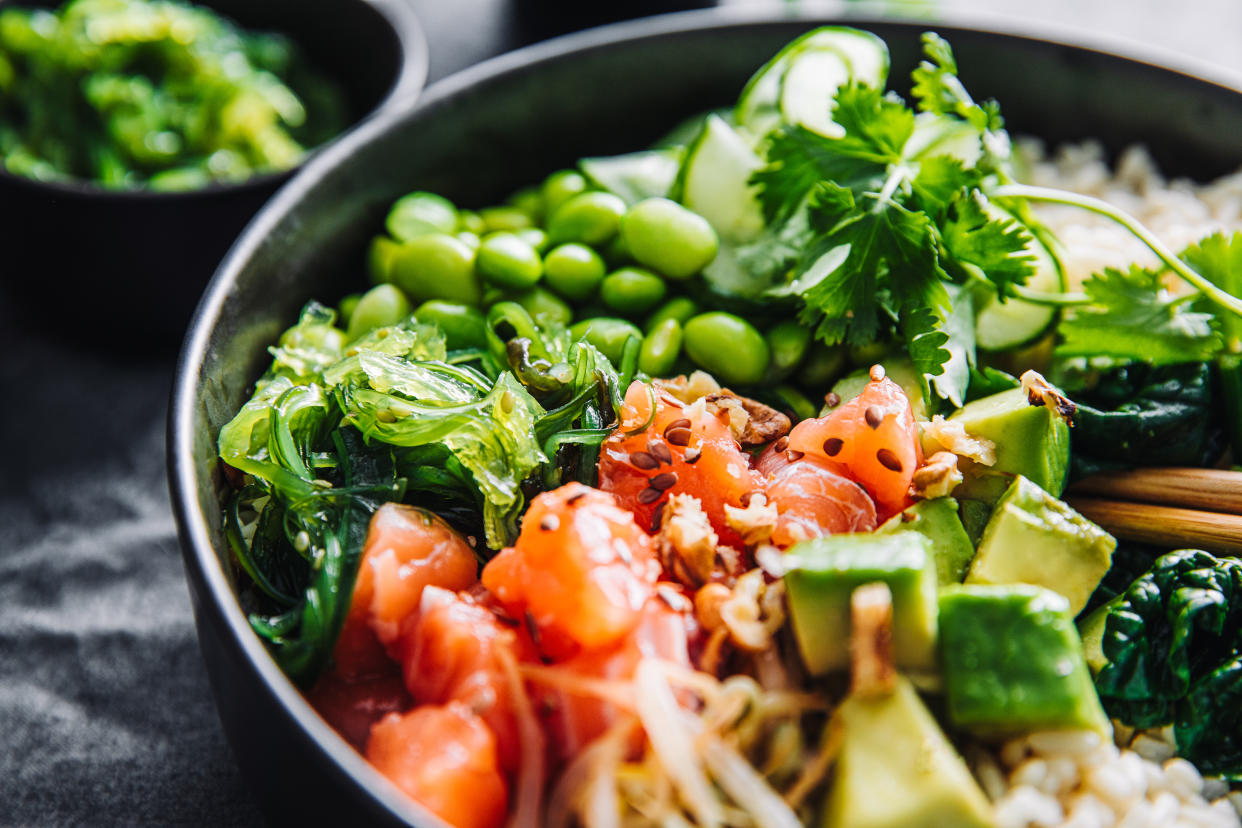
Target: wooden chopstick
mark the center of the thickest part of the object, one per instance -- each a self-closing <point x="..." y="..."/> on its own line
<point x="1189" y="507"/>
<point x="1212" y="490"/>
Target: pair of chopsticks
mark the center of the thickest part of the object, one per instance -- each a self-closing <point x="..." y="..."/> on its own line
<point x="1182" y="507"/>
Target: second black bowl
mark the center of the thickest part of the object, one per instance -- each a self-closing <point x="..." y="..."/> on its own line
<point x="126" y="267"/>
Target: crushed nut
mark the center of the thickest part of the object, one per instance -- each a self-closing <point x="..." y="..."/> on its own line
<point x="754" y="611"/>
<point x="688" y="389"/>
<point x="755" y="522"/>
<point x="938" y="477"/>
<point x="952" y="436"/>
<point x="686" y="541"/>
<point x="1040" y="392"/>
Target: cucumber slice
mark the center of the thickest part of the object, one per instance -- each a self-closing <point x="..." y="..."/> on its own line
<point x="635" y="175"/>
<point x="725" y="276"/>
<point x="1003" y="326"/>
<point x="808" y="88"/>
<point x="760" y="106"/>
<point x="714" y="182"/>
<point x="941" y="135"/>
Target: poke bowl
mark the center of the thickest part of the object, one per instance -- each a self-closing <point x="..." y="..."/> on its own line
<point x="490" y="132"/>
<point x="140" y="252"/>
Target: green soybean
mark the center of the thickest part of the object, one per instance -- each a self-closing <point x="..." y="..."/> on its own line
<point x="822" y="366"/>
<point x="345" y="308"/>
<point x="437" y="266"/>
<point x="380" y="306"/>
<point x="667" y="237"/>
<point x="544" y="306"/>
<point x="632" y="290"/>
<point x="529" y="201"/>
<point x="787" y="343"/>
<point x="616" y="254"/>
<point x="573" y="270"/>
<point x="463" y="325"/>
<point x="680" y="308"/>
<point x="379" y="259"/>
<point x="726" y="346"/>
<point x="469" y="239"/>
<point x="559" y="187"/>
<point x="660" y="349"/>
<point x="420" y="213"/>
<point x="535" y="237"/>
<point x="797" y="402"/>
<point x="591" y="218"/>
<point x="506" y="259"/>
<point x="607" y="334"/>
<point x="469" y="221"/>
<point x="498" y="219"/>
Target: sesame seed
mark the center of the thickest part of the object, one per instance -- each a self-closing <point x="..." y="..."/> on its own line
<point x="649" y="495"/>
<point x="678" y="436"/>
<point x="643" y="460"/>
<point x="675" y="424"/>
<point x="781" y="444"/>
<point x="667" y="480"/>
<point x="877" y="372"/>
<point x="660" y="452"/>
<point x="888" y="460"/>
<point x="833" y="446"/>
<point x="873" y="416"/>
<point x="550" y="523"/>
<point x="832" y="399"/>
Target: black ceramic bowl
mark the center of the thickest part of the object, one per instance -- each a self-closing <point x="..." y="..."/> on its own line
<point x="476" y="137"/>
<point x="128" y="267"/>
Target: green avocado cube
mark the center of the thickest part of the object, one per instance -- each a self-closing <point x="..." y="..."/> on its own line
<point x="827" y="570"/>
<point x="1031" y="440"/>
<point x="938" y="521"/>
<point x="1033" y="538"/>
<point x="1012" y="662"/>
<point x="896" y="769"/>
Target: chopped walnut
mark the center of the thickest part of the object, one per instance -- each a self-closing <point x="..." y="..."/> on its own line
<point x="686" y="541"/>
<point x="688" y="389"/>
<point x="755" y="522"/>
<point x="952" y="436"/>
<point x="753" y="611"/>
<point x="752" y="422"/>
<point x="1040" y="392"/>
<point x="872" y="669"/>
<point x="938" y="477"/>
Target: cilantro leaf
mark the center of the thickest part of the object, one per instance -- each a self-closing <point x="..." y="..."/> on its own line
<point x="938" y="89"/>
<point x="877" y="127"/>
<point x="887" y="243"/>
<point x="995" y="243"/>
<point x="1218" y="258"/>
<point x="1132" y="317"/>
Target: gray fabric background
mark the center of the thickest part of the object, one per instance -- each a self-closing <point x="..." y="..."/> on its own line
<point x="105" y="713"/>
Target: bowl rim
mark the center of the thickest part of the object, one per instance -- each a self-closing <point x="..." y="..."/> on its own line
<point x="411" y="76"/>
<point x="198" y="553"/>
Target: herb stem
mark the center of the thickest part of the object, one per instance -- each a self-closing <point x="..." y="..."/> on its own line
<point x="1040" y="297"/>
<point x="1103" y="208"/>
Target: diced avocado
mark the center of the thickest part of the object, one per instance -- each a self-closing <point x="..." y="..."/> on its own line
<point x="974" y="515"/>
<point x="900" y="371"/>
<point x="1033" y="538"/>
<point x="1092" y="631"/>
<point x="1013" y="663"/>
<point x="827" y="570"/>
<point x="937" y="520"/>
<point x="1030" y="440"/>
<point x="896" y="769"/>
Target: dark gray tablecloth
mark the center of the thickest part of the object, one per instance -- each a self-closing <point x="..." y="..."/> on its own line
<point x="105" y="713"/>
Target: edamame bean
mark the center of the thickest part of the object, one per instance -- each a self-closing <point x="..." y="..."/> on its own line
<point x="380" y="306"/>
<point x="544" y="306"/>
<point x="499" y="219"/>
<point x="802" y="408"/>
<point x="607" y="334"/>
<point x="591" y="218"/>
<point x="437" y="266"/>
<point x="529" y="201"/>
<point x="469" y="239"/>
<point x="864" y="356"/>
<point x="680" y="308"/>
<point x="667" y="237"/>
<point x="632" y="290"/>
<point x="787" y="343"/>
<point x="469" y="221"/>
<point x="726" y="346"/>
<point x="822" y="366"/>
<point x="616" y="254"/>
<point x="535" y="237"/>
<point x="345" y="309"/>
<point x="660" y="349"/>
<point x="420" y="213"/>
<point x="559" y="187"/>
<point x="505" y="259"/>
<point x="463" y="326"/>
<point x="573" y="270"/>
<point x="379" y="259"/>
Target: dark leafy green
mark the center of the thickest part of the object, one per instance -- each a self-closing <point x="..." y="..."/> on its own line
<point x="1143" y="415"/>
<point x="1174" y="648"/>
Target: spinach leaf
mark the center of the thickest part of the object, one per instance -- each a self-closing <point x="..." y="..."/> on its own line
<point x="1174" y="649"/>
<point x="1145" y="415"/>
